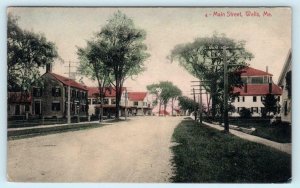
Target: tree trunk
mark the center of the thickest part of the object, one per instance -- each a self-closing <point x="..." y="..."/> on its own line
<point x="172" y="106"/>
<point x="159" y="109"/>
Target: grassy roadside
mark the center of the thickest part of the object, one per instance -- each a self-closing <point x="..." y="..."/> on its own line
<point x="51" y="130"/>
<point x="279" y="133"/>
<point x="205" y="155"/>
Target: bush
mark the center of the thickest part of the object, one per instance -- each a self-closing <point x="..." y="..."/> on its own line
<point x="245" y="113"/>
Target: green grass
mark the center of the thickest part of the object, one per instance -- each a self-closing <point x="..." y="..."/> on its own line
<point x="206" y="155"/>
<point x="279" y="133"/>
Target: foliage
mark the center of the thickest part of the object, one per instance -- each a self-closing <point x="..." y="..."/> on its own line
<point x="271" y="103"/>
<point x="26" y="53"/>
<point x="120" y="49"/>
<point x="202" y="157"/>
<point x="245" y="113"/>
<point x="203" y="58"/>
<point x="187" y="103"/>
<point x="164" y="91"/>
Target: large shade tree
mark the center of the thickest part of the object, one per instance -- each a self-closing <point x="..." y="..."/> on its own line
<point x="204" y="59"/>
<point x="164" y="92"/>
<point x="121" y="50"/>
<point x="27" y="52"/>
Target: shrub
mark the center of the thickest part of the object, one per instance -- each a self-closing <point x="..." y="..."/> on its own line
<point x="245" y="113"/>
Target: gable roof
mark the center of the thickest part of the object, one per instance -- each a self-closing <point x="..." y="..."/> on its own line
<point x="257" y="89"/>
<point x="137" y="96"/>
<point x="249" y="71"/>
<point x="109" y="92"/>
<point x="67" y="81"/>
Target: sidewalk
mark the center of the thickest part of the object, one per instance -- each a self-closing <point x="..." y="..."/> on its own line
<point x="11" y="132"/>
<point x="286" y="147"/>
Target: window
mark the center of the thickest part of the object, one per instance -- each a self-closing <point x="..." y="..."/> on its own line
<point x="285" y="108"/>
<point x="278" y="98"/>
<point x="55" y="106"/>
<point x="56" y="92"/>
<point x="94" y="101"/>
<point x="89" y="101"/>
<point x="144" y="103"/>
<point x="238" y="99"/>
<point x="257" y="80"/>
<point x="73" y="93"/>
<point x="113" y="101"/>
<point x="105" y="101"/>
<point x="254" y="98"/>
<point x="37" y="92"/>
<point x="82" y="109"/>
<point x="27" y="108"/>
<point x="243" y="99"/>
<point x="135" y="103"/>
<point x="254" y="109"/>
<point x="261" y="98"/>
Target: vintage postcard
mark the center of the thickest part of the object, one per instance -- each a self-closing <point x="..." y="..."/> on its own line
<point x="149" y="94"/>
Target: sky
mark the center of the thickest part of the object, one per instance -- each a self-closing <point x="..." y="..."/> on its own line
<point x="268" y="38"/>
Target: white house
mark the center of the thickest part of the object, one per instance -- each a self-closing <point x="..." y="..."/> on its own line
<point x="257" y="84"/>
<point x="109" y="102"/>
<point x="139" y="103"/>
<point x="285" y="81"/>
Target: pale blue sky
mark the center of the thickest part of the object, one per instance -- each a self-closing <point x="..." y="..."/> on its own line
<point x="268" y="38"/>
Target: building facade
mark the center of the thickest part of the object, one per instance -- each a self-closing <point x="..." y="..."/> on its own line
<point x="139" y="104"/>
<point x="285" y="82"/>
<point x="257" y="84"/>
<point x="109" y="102"/>
<point x="19" y="105"/>
<point x="51" y="99"/>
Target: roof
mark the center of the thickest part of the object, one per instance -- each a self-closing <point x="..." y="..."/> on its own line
<point x="18" y="97"/>
<point x="258" y="89"/>
<point x="137" y="96"/>
<point x="109" y="92"/>
<point x="67" y="81"/>
<point x="249" y="71"/>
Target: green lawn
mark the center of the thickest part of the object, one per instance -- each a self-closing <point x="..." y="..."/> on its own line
<point x="206" y="155"/>
<point x="279" y="133"/>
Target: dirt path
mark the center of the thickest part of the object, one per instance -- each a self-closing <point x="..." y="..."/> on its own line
<point x="134" y="151"/>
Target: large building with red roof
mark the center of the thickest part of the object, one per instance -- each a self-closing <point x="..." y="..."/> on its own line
<point x="51" y="99"/>
<point x="257" y="84"/>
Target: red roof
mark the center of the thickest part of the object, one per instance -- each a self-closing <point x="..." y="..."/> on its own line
<point x="249" y="71"/>
<point x="18" y="97"/>
<point x="66" y="81"/>
<point x="258" y="89"/>
<point x="136" y="96"/>
<point x="109" y="92"/>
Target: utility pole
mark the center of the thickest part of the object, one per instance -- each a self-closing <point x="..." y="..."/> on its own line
<point x="200" y="105"/>
<point x="69" y="93"/>
<point x="225" y="106"/>
<point x="195" y="106"/>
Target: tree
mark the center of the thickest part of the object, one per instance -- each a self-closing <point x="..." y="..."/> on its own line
<point x="187" y="103"/>
<point x="92" y="66"/>
<point x="26" y="53"/>
<point x="122" y="51"/>
<point x="203" y="58"/>
<point x="245" y="113"/>
<point x="164" y="92"/>
<point x="270" y="103"/>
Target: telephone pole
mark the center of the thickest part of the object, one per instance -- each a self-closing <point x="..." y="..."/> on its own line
<point x="225" y="114"/>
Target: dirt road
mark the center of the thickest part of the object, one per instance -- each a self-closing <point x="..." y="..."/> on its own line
<point x="133" y="151"/>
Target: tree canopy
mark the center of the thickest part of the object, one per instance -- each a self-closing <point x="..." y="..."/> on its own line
<point x="204" y="59"/>
<point x="26" y="53"/>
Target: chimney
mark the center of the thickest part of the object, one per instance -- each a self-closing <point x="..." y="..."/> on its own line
<point x="270" y="87"/>
<point x="48" y="67"/>
<point x="246" y="88"/>
<point x="267" y="69"/>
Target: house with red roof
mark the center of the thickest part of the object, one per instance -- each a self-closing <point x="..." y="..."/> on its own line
<point x="19" y="104"/>
<point x="51" y="98"/>
<point x="139" y="103"/>
<point x="257" y="84"/>
<point x="109" y="101"/>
